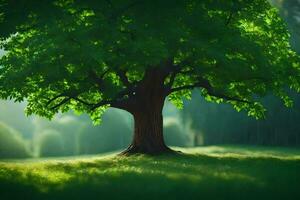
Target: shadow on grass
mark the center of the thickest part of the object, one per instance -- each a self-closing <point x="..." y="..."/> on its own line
<point x="163" y="177"/>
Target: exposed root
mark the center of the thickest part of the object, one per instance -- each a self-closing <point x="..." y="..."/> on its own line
<point x="133" y="150"/>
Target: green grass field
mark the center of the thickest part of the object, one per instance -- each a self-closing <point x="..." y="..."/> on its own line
<point x="216" y="172"/>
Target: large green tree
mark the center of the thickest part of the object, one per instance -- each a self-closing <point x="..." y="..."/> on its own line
<point x="131" y="54"/>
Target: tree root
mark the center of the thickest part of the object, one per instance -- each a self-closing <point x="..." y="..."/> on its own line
<point x="133" y="150"/>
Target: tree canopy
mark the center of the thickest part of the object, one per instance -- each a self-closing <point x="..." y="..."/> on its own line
<point x="88" y="55"/>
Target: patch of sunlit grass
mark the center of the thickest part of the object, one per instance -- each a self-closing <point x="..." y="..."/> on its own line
<point x="199" y="173"/>
<point x="245" y="152"/>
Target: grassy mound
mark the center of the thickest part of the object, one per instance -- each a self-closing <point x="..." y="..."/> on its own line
<point x="218" y="172"/>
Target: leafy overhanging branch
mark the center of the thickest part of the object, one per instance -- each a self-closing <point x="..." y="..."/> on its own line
<point x="203" y="83"/>
<point x="120" y="101"/>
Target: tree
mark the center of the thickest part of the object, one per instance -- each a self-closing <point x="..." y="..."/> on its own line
<point x="132" y="54"/>
<point x="106" y="137"/>
<point x="218" y="124"/>
<point x="12" y="145"/>
<point x="50" y="144"/>
<point x="290" y="10"/>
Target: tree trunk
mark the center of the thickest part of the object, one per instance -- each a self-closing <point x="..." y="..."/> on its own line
<point x="147" y="109"/>
<point x="148" y="133"/>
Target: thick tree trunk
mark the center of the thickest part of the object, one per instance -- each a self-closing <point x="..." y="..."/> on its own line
<point x="148" y="120"/>
<point x="148" y="133"/>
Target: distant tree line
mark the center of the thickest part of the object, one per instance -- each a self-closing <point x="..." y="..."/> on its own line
<point x="290" y="10"/>
<point x="219" y="124"/>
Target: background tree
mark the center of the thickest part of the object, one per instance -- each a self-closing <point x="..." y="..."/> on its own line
<point x="131" y="55"/>
<point x="109" y="136"/>
<point x="51" y="144"/>
<point x="214" y="124"/>
<point x="11" y="143"/>
<point x="10" y="113"/>
<point x="290" y="11"/>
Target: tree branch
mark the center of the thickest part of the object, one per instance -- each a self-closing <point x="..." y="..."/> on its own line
<point x="172" y="79"/>
<point x="98" y="80"/>
<point x="228" y="98"/>
<point x="116" y="103"/>
<point x="206" y="85"/>
<point x="54" y="98"/>
<point x="82" y="101"/>
<point x="67" y="97"/>
<point x="65" y="100"/>
<point x="185" y="87"/>
<point x="123" y="77"/>
<point x="101" y="103"/>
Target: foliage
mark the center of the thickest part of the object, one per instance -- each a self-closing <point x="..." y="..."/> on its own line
<point x="202" y="173"/>
<point x="88" y="55"/>
<point x="11" y="143"/>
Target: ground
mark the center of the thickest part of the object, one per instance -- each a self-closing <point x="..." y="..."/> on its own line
<point x="215" y="172"/>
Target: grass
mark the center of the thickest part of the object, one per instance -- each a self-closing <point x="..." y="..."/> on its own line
<point x="216" y="172"/>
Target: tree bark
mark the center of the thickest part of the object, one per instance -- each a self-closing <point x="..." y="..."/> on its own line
<point x="148" y="133"/>
<point x="147" y="109"/>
